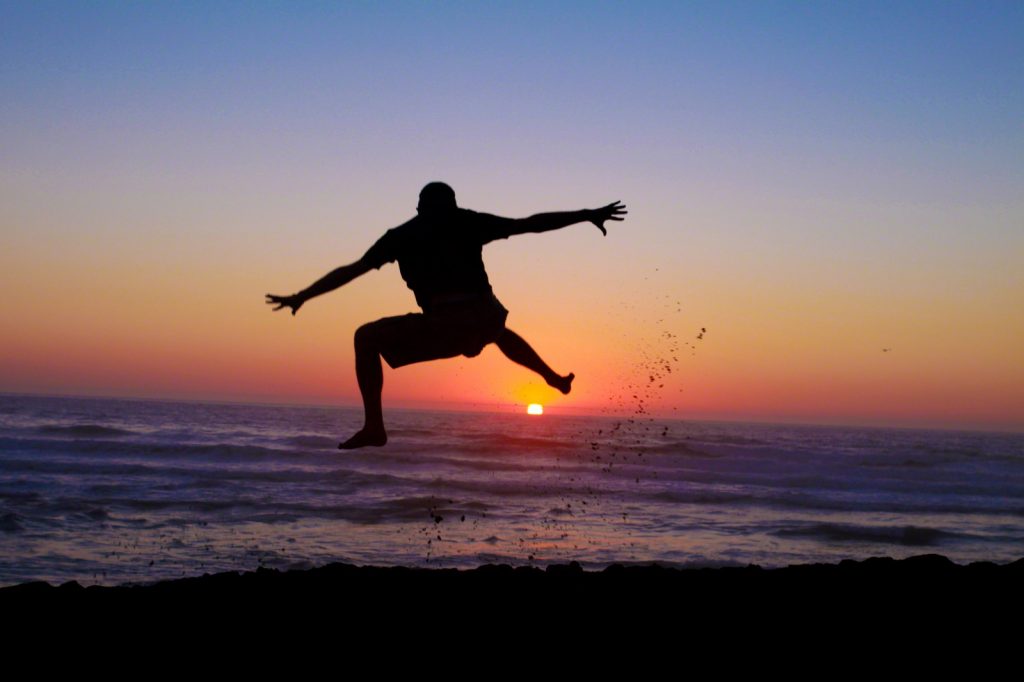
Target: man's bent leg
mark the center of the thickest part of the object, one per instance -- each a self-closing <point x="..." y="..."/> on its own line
<point x="370" y="376"/>
<point x="401" y="340"/>
<point x="519" y="351"/>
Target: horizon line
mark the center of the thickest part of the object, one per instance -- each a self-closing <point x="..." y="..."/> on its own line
<point x="505" y="408"/>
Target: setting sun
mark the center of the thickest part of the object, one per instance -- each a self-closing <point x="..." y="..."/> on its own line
<point x="534" y="408"/>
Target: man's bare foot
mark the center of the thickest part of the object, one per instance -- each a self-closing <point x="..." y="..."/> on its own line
<point x="563" y="384"/>
<point x="365" y="437"/>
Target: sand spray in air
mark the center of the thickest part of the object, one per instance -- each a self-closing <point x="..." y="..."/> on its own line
<point x="654" y="374"/>
<point x="620" y="450"/>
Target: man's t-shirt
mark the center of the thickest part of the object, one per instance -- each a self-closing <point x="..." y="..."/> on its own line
<point x="441" y="258"/>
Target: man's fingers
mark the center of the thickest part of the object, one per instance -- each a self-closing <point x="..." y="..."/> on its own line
<point x="283" y="302"/>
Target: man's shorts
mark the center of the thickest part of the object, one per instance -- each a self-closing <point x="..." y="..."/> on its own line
<point x="459" y="327"/>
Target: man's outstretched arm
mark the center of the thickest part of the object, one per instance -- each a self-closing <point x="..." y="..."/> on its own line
<point x="329" y="282"/>
<point x="545" y="222"/>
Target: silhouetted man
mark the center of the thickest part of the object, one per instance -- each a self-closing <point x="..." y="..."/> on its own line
<point x="439" y="254"/>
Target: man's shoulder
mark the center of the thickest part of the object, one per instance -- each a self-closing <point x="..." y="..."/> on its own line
<point x="469" y="214"/>
<point x="487" y="226"/>
<point x="405" y="227"/>
<point x="401" y="233"/>
<point x="390" y="245"/>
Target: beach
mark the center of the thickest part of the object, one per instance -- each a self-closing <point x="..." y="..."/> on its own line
<point x="882" y="603"/>
<point x="470" y="525"/>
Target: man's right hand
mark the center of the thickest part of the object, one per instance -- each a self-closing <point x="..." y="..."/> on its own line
<point x="294" y="302"/>
<point x="612" y="211"/>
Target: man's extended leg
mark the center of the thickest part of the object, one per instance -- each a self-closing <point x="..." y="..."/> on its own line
<point x="519" y="351"/>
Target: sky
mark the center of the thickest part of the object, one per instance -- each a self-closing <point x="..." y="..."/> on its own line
<point x="832" y="190"/>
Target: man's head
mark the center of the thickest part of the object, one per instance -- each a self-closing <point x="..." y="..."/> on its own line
<point x="436" y="199"/>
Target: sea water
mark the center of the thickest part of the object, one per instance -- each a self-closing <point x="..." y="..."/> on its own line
<point x="114" y="491"/>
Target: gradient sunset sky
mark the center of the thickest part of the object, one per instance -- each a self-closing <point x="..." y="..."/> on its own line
<point x="835" y="191"/>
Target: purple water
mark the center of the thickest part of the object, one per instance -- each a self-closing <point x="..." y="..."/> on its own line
<point x="114" y="491"/>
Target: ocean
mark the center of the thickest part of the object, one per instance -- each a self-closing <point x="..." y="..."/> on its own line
<point x="107" y="491"/>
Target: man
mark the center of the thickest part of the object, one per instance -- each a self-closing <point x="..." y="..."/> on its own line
<point x="439" y="254"/>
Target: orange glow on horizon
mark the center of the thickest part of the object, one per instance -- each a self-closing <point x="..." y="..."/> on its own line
<point x="535" y="408"/>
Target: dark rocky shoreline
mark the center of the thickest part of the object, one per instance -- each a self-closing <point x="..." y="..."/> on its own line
<point x="922" y="577"/>
<point x="853" y="612"/>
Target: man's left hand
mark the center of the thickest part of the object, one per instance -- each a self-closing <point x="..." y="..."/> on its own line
<point x="612" y="211"/>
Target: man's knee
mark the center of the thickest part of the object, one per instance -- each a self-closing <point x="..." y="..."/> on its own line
<point x="367" y="337"/>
